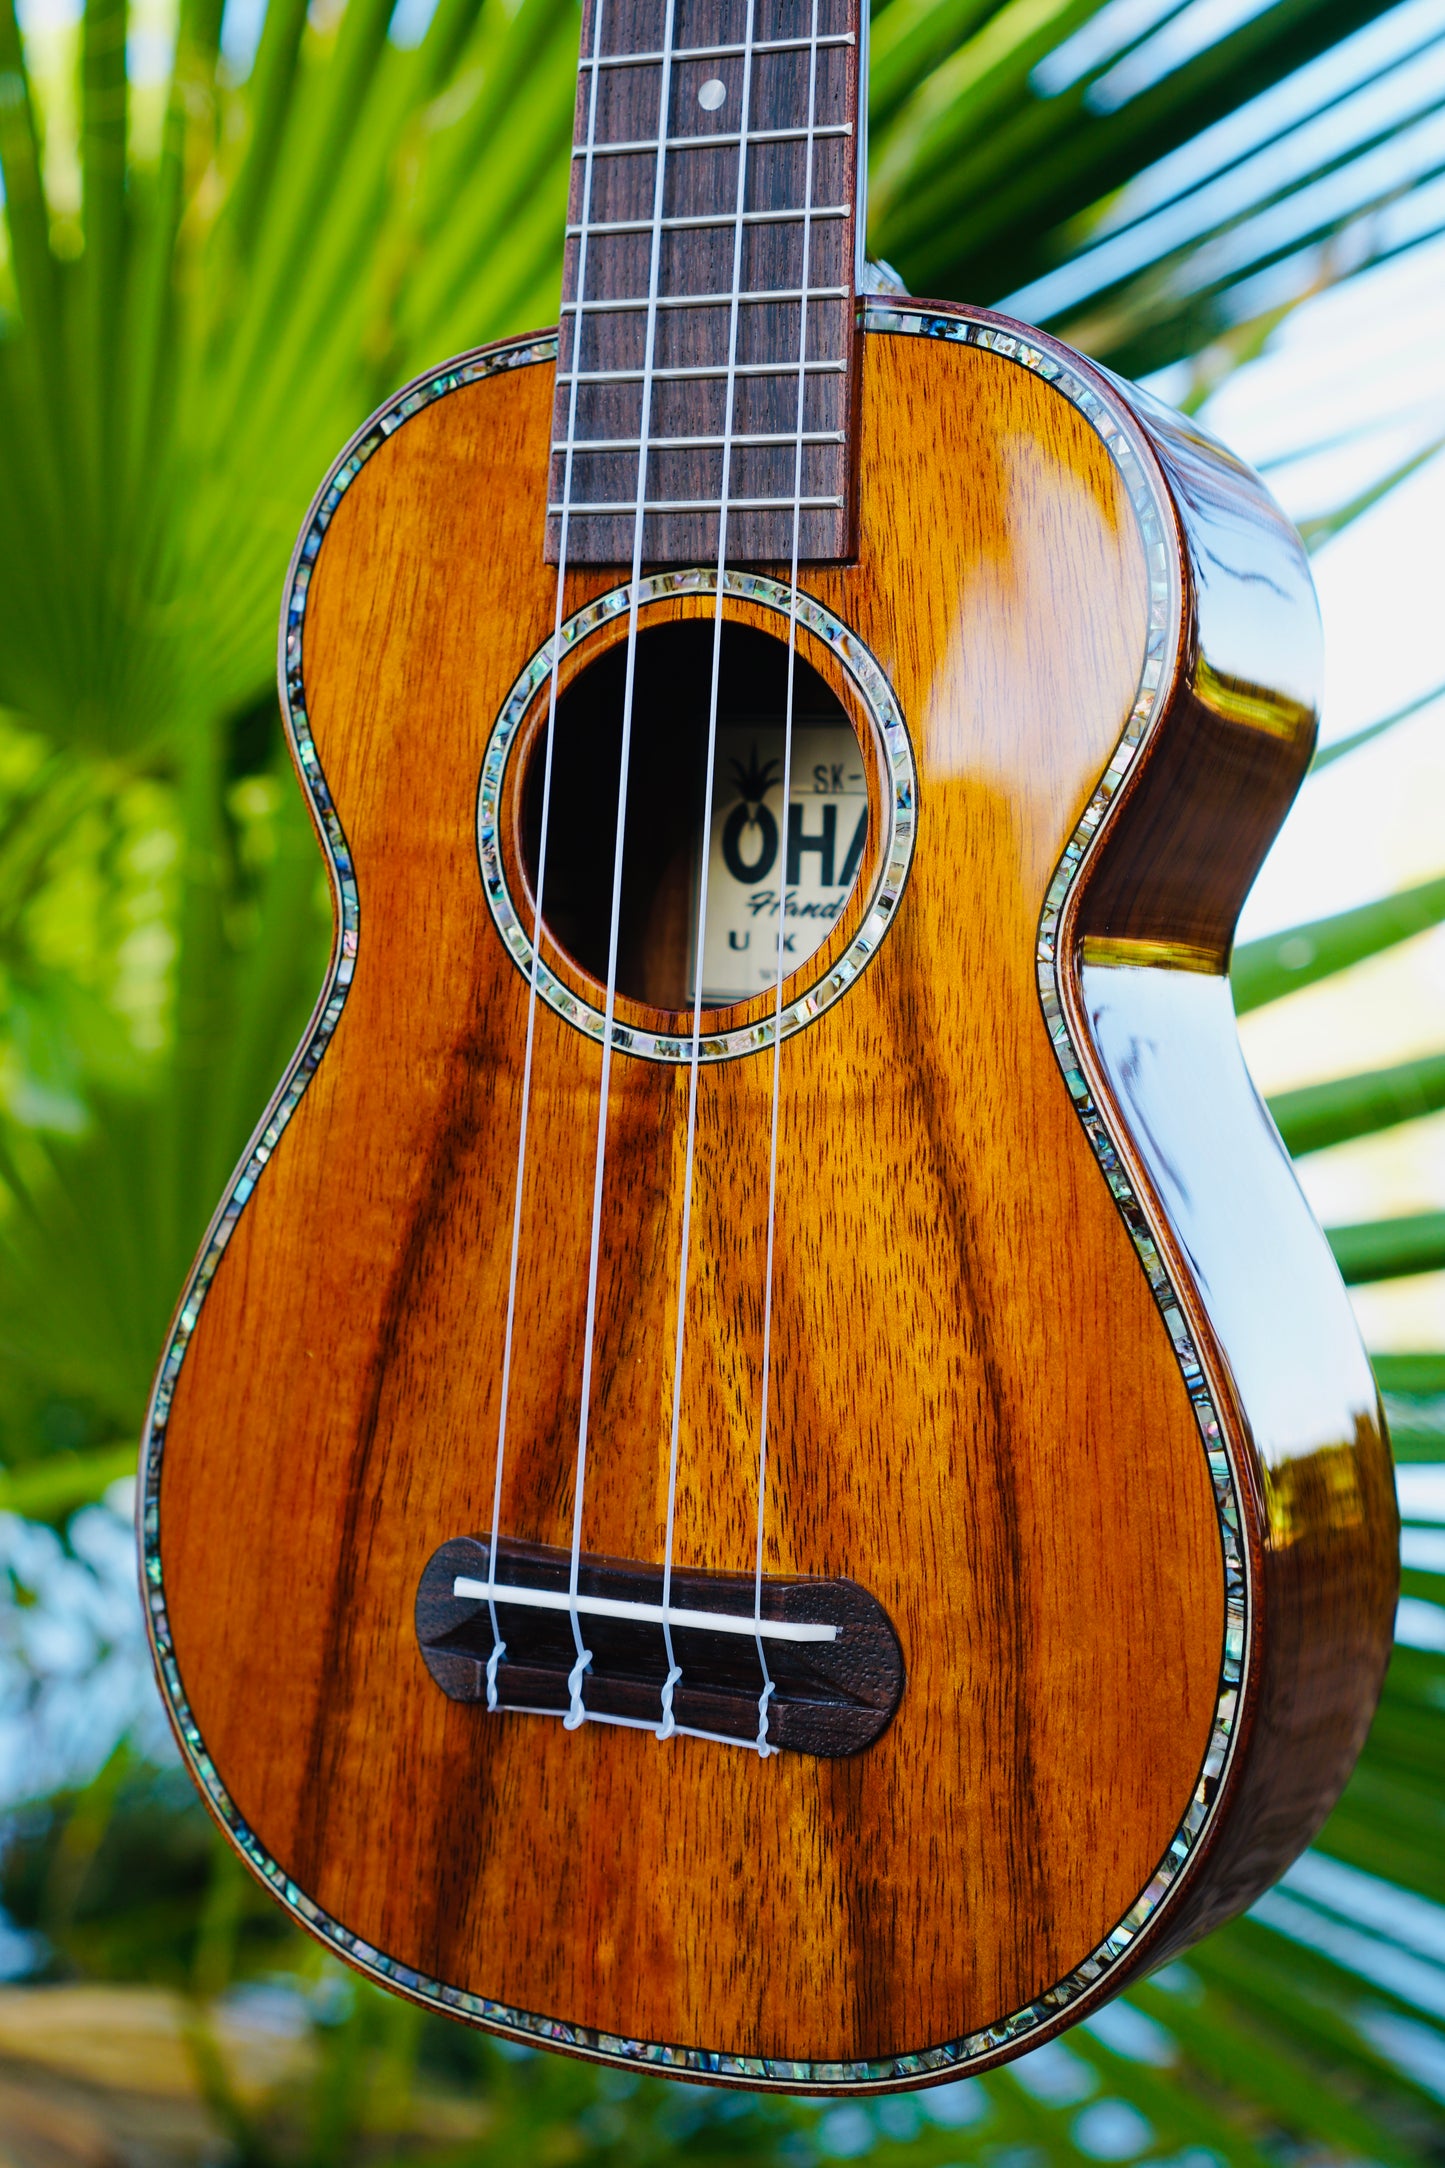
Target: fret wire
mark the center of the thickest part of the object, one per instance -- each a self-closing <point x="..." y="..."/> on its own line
<point x="712" y="142"/>
<point x="684" y="444"/>
<point x="808" y="134"/>
<point x="717" y="52"/>
<point x="708" y="218"/>
<point x="627" y="506"/>
<point x="804" y="296"/>
<point x="744" y="368"/>
<point x="705" y="301"/>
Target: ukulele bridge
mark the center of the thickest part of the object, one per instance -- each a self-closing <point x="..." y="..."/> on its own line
<point x="833" y="1660"/>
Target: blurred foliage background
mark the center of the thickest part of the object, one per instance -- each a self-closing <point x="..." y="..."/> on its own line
<point x="229" y="228"/>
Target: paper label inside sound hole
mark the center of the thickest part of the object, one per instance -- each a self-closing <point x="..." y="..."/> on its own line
<point x="751" y="856"/>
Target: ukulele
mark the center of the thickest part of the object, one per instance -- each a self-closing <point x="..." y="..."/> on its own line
<point x="763" y="1473"/>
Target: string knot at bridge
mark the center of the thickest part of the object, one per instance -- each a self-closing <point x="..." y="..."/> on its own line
<point x="763" y="1699"/>
<point x="668" y="1725"/>
<point x="499" y="1650"/>
<point x="577" y="1712"/>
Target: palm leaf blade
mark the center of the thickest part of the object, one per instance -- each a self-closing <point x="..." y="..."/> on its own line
<point x="1389" y="1249"/>
<point x="1266" y="970"/>
<point x="1319" y="1115"/>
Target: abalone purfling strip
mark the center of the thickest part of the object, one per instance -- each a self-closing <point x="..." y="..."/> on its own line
<point x="900" y="798"/>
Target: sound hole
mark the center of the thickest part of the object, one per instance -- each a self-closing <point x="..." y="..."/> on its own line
<point x="820" y="850"/>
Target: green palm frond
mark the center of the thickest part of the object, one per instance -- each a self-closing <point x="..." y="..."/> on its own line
<point x="1318" y="1115"/>
<point x="255" y="292"/>
<point x="1419" y="1374"/>
<point x="1266" y="970"/>
<point x="1340" y="747"/>
<point x="1390" y="1249"/>
<point x="1131" y="178"/>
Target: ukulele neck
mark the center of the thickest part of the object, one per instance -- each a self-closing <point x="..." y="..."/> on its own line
<point x="706" y="358"/>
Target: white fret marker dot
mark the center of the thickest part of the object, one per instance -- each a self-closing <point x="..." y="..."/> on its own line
<point x="712" y="94"/>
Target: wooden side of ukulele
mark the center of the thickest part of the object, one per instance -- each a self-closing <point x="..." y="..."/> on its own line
<point x="1038" y="1250"/>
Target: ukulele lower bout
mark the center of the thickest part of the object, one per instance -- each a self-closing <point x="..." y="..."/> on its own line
<point x="1046" y="1441"/>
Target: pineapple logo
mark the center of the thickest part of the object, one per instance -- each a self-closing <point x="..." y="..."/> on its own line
<point x="750" y="818"/>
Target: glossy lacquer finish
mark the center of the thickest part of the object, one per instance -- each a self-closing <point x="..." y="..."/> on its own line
<point x="1269" y="1294"/>
<point x="1155" y="1029"/>
<point x="1063" y="1377"/>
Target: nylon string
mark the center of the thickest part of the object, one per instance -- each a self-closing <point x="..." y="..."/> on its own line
<point x="577" y="1711"/>
<point x="499" y="1646"/>
<point x="674" y="1672"/>
<point x="767" y="1692"/>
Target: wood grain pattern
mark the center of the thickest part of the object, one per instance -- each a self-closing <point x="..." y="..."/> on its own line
<point x="978" y="1411"/>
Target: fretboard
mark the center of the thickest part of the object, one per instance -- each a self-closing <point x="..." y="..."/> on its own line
<point x="693" y="308"/>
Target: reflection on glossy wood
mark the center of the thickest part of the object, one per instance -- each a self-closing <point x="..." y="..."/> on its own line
<point x="977" y="1412"/>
